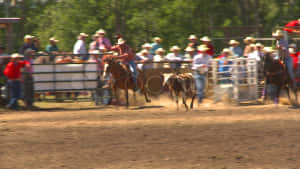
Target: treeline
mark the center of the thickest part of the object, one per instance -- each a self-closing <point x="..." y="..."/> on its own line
<point x="140" y="20"/>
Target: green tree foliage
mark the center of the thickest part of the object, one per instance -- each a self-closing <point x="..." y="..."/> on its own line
<point x="140" y="20"/>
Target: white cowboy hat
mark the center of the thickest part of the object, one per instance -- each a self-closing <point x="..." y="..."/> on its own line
<point x="147" y="45"/>
<point x="101" y="31"/>
<point x="83" y="35"/>
<point x="205" y="39"/>
<point x="249" y="39"/>
<point x="174" y="48"/>
<point x="144" y="51"/>
<point x="189" y="49"/>
<point x="268" y="49"/>
<point x="121" y="41"/>
<point x="202" y="48"/>
<point x="226" y="50"/>
<point x="28" y="37"/>
<point x="192" y="37"/>
<point x="232" y="42"/>
<point x="157" y="39"/>
<point x="293" y="45"/>
<point x="160" y="50"/>
<point x="95" y="35"/>
<point x="252" y="45"/>
<point x="259" y="45"/>
<point x="277" y="33"/>
<point x="16" y="55"/>
<point x="53" y="39"/>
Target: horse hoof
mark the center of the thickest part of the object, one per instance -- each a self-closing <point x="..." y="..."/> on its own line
<point x="148" y="101"/>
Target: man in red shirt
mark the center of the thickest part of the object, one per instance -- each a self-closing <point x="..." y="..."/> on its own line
<point x="293" y="26"/>
<point x="126" y="55"/>
<point x="13" y="73"/>
<point x="206" y="41"/>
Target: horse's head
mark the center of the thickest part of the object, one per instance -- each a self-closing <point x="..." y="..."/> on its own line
<point x="113" y="65"/>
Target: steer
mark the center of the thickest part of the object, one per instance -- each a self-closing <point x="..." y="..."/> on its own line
<point x="182" y="83"/>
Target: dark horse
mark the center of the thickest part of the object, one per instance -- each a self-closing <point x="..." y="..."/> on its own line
<point x="276" y="73"/>
<point x="122" y="78"/>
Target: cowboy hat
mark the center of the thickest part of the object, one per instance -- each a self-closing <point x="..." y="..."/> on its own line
<point x="174" y="48"/>
<point x="277" y="33"/>
<point x="159" y="50"/>
<point x="293" y="45"/>
<point x="101" y="31"/>
<point x="233" y="42"/>
<point x="192" y="37"/>
<point x="268" y="49"/>
<point x="202" y="48"/>
<point x="226" y="50"/>
<point x="249" y="39"/>
<point x="16" y="55"/>
<point x="28" y="37"/>
<point x="83" y="35"/>
<point x="121" y="41"/>
<point x="189" y="49"/>
<point x="259" y="45"/>
<point x="147" y="45"/>
<point x="144" y="51"/>
<point x="157" y="39"/>
<point x="205" y="39"/>
<point x="53" y="39"/>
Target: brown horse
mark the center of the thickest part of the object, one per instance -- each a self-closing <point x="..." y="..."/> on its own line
<point x="122" y="78"/>
<point x="276" y="73"/>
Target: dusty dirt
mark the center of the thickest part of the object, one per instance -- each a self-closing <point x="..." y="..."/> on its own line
<point x="82" y="136"/>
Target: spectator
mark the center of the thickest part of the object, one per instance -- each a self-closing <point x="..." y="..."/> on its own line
<point x="159" y="57"/>
<point x="93" y="44"/>
<point x="80" y="48"/>
<point x="234" y="47"/>
<point x="200" y="68"/>
<point x="248" y="41"/>
<point x="13" y="73"/>
<point x="28" y="43"/>
<point x="155" y="45"/>
<point x="206" y="41"/>
<point x="102" y="41"/>
<point x="144" y="57"/>
<point x="189" y="54"/>
<point x="174" y="56"/>
<point x="224" y="65"/>
<point x="251" y="53"/>
<point x="52" y="48"/>
<point x="193" y="42"/>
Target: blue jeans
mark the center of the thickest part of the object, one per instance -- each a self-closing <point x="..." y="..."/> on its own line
<point x="200" y="84"/>
<point x="15" y="93"/>
<point x="289" y="65"/>
<point x="132" y="67"/>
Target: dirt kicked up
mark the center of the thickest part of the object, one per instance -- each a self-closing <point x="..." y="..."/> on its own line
<point x="213" y="137"/>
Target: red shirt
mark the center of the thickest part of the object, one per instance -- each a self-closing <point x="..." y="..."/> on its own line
<point x="13" y="70"/>
<point x="289" y="27"/>
<point x="210" y="50"/>
<point x="125" y="52"/>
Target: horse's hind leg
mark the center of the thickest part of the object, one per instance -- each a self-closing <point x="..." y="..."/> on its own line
<point x="146" y="95"/>
<point x="192" y="102"/>
<point x="184" y="100"/>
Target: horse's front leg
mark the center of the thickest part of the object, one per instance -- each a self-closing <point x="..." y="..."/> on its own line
<point x="184" y="100"/>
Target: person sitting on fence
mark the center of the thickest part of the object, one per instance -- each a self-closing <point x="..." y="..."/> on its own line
<point x="52" y="48"/>
<point x="80" y="48"/>
<point x="282" y="46"/>
<point x="28" y="43"/>
<point x="144" y="57"/>
<point x="174" y="56"/>
<point x="206" y="41"/>
<point x="248" y="41"/>
<point x="160" y="56"/>
<point x="224" y="66"/>
<point x="193" y="42"/>
<point x="156" y="45"/>
<point x="200" y="68"/>
<point x="102" y="41"/>
<point x="93" y="44"/>
<point x="293" y="26"/>
<point x="235" y="49"/>
<point x="13" y="73"/>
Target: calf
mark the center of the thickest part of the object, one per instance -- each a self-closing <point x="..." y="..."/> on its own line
<point x="182" y="83"/>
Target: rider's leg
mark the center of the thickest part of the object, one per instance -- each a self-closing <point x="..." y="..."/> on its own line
<point x="132" y="66"/>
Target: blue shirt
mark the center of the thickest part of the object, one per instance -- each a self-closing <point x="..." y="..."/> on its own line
<point x="237" y="51"/>
<point x="155" y="46"/>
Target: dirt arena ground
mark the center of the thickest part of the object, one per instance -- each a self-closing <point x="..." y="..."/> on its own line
<point x="155" y="136"/>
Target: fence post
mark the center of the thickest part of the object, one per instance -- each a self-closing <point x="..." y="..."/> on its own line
<point x="235" y="78"/>
<point x="214" y="78"/>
